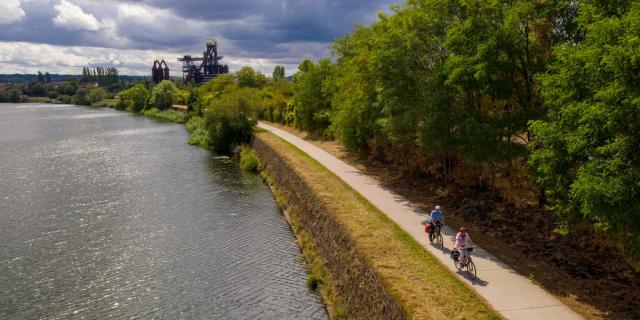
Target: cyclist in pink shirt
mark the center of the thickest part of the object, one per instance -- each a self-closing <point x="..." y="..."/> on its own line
<point x="462" y="242"/>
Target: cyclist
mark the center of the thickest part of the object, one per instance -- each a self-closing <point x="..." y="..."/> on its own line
<point x="435" y="219"/>
<point x="462" y="242"/>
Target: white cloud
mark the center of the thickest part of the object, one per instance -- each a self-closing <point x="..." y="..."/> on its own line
<point x="10" y="11"/>
<point x="72" y="17"/>
<point x="22" y="57"/>
<point x="145" y="24"/>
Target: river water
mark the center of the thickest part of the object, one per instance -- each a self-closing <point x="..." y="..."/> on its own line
<point x="108" y="215"/>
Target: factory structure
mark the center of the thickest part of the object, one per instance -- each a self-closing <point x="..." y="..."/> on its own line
<point x="195" y="70"/>
<point x="160" y="71"/>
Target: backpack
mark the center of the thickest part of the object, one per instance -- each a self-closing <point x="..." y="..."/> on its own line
<point x="455" y="255"/>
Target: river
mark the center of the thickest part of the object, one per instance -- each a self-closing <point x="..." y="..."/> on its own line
<point x="109" y="215"/>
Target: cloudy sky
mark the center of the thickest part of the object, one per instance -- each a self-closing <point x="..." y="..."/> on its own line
<point x="61" y="36"/>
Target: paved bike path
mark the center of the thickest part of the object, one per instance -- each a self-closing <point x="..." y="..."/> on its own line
<point x="510" y="293"/>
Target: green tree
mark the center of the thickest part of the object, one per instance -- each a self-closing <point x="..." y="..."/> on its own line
<point x="81" y="97"/>
<point x="586" y="152"/>
<point x="65" y="99"/>
<point x="249" y="78"/>
<point x="12" y="95"/>
<point x="163" y="95"/>
<point x="312" y="95"/>
<point x="276" y="96"/>
<point x="37" y="89"/>
<point x="53" y="94"/>
<point x="496" y="49"/>
<point x="230" y="119"/>
<point x="95" y="95"/>
<point x="278" y="72"/>
<point x="135" y="98"/>
<point x="67" y="89"/>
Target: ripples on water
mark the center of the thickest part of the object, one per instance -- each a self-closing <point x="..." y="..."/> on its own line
<point x="108" y="215"/>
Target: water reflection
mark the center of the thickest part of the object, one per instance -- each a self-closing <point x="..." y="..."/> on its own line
<point x="110" y="216"/>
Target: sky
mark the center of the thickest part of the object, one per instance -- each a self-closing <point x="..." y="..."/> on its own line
<point x="62" y="36"/>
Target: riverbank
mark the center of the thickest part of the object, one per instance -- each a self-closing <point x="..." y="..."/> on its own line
<point x="375" y="269"/>
<point x="590" y="280"/>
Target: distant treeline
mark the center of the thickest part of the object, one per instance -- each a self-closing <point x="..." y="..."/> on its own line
<point x="103" y="76"/>
<point x="27" y="78"/>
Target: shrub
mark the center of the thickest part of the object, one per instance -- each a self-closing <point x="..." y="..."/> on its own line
<point x="164" y="95"/>
<point x="37" y="89"/>
<point x="65" y="99"/>
<point x="53" y="94"/>
<point x="81" y="97"/>
<point x="12" y="95"/>
<point x="100" y="104"/>
<point x="168" y="115"/>
<point x="95" y="95"/>
<point x="135" y="98"/>
<point x="312" y="283"/>
<point x="67" y="89"/>
<point x="248" y="160"/>
<point x="199" y="135"/>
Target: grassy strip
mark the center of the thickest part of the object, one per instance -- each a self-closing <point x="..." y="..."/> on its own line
<point x="198" y="135"/>
<point x="168" y="115"/>
<point x="423" y="286"/>
<point x="38" y="100"/>
<point x="249" y="160"/>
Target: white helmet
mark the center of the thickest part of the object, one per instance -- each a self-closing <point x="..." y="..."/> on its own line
<point x="437" y="207"/>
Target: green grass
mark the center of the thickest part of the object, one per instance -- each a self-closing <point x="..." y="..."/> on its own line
<point x="248" y="160"/>
<point x="38" y="100"/>
<point x="424" y="287"/>
<point x="199" y="136"/>
<point x="100" y="104"/>
<point x="167" y="115"/>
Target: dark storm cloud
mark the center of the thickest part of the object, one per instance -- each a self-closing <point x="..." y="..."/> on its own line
<point x="282" y="31"/>
<point x="279" y="20"/>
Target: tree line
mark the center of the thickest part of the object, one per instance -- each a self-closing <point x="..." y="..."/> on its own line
<point x="444" y="88"/>
<point x="103" y="76"/>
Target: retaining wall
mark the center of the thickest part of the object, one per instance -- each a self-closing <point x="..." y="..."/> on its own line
<point x="357" y="286"/>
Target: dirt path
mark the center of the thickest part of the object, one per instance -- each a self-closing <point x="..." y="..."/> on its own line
<point x="511" y="294"/>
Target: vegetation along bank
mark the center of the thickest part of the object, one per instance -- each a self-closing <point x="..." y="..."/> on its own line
<point x="367" y="267"/>
<point x="522" y="117"/>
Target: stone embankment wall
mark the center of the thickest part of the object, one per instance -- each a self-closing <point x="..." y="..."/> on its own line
<point x="358" y="288"/>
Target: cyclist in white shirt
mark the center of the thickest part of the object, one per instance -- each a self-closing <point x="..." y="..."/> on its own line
<point x="462" y="242"/>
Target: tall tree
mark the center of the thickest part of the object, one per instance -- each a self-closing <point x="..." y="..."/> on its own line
<point x="312" y="100"/>
<point x="278" y="72"/>
<point x="586" y="152"/>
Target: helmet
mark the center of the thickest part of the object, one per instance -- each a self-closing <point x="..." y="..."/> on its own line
<point x="437" y="207"/>
<point x="462" y="229"/>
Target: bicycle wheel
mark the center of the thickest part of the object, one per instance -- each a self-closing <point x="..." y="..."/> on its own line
<point x="471" y="268"/>
<point x="439" y="240"/>
<point x="457" y="264"/>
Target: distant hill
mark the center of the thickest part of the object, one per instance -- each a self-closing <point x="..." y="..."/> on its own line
<point x="26" y="78"/>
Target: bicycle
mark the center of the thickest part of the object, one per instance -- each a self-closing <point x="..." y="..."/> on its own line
<point x="436" y="234"/>
<point x="471" y="267"/>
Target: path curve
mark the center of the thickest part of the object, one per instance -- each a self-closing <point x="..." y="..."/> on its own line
<point x="511" y="294"/>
